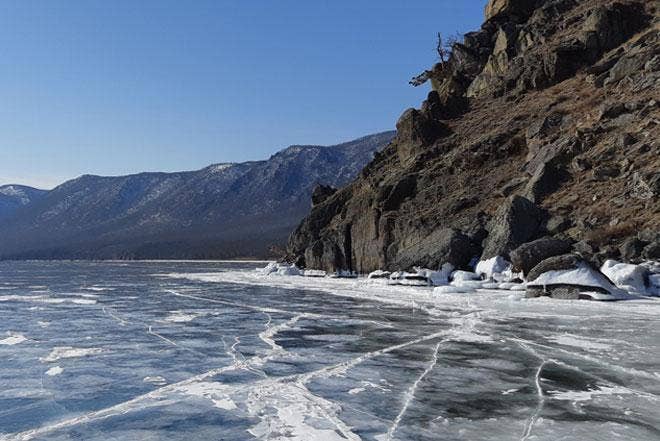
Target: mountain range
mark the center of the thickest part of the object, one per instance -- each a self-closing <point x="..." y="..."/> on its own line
<point x="226" y="210"/>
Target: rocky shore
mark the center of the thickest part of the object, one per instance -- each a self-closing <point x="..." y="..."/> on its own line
<point x="538" y="144"/>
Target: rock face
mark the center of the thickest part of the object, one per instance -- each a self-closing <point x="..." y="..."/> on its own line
<point x="544" y="122"/>
<point x="221" y="211"/>
<point x="514" y="223"/>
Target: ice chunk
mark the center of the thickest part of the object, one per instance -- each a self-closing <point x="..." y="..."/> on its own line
<point x="410" y="279"/>
<point x="180" y="317"/>
<point x="280" y="269"/>
<point x="475" y="284"/>
<point x="55" y="370"/>
<point x="626" y="276"/>
<point x="437" y="278"/>
<point x="493" y="266"/>
<point x="464" y="275"/>
<point x="451" y="289"/>
<point x="314" y="273"/>
<point x="379" y="274"/>
<point x="344" y="274"/>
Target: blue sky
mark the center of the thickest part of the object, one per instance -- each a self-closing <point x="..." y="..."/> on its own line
<point x="117" y="87"/>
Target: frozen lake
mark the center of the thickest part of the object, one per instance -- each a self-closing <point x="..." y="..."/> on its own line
<point x="213" y="351"/>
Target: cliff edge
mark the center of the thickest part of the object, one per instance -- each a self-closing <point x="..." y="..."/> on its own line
<point x="544" y="122"/>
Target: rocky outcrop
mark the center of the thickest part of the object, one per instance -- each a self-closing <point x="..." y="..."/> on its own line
<point x="544" y="122"/>
<point x="321" y="193"/>
<point x="516" y="222"/>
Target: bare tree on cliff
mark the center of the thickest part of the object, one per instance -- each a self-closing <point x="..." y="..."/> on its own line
<point x="443" y="47"/>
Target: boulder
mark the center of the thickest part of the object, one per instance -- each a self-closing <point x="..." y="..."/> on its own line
<point x="569" y="277"/>
<point x="516" y="222"/>
<point x="631" y="249"/>
<point x="555" y="263"/>
<point x="416" y="128"/>
<point x="530" y="254"/>
<point x="445" y="245"/>
<point x="652" y="251"/>
<point x="546" y="180"/>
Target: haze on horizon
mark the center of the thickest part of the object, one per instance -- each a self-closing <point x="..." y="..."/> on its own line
<point x="121" y="87"/>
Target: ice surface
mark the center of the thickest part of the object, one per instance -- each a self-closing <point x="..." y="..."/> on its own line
<point x="290" y="357"/>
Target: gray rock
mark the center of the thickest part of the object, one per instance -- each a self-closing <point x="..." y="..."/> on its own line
<point x="555" y="263"/>
<point x="546" y="180"/>
<point x="445" y="245"/>
<point x="605" y="172"/>
<point x="631" y="249"/>
<point x="652" y="251"/>
<point x="516" y="222"/>
<point x="649" y="235"/>
<point x="563" y="292"/>
<point x="530" y="254"/>
<point x="557" y="224"/>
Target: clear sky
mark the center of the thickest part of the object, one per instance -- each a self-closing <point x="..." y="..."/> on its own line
<point x="121" y="86"/>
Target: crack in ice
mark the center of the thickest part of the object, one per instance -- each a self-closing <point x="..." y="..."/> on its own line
<point x="410" y="394"/>
<point x="529" y="426"/>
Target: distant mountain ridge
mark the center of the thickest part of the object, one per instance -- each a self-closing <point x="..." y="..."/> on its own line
<point x="224" y="210"/>
<point x="13" y="196"/>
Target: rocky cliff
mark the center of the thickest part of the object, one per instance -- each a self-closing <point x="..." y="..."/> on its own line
<point x="544" y="122"/>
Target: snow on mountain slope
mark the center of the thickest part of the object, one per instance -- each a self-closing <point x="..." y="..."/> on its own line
<point x="223" y="210"/>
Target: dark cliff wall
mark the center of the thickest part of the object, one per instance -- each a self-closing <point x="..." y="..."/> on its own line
<point x="543" y="122"/>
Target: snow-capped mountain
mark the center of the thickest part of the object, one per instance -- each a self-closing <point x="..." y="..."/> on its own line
<point x="224" y="210"/>
<point x="13" y="197"/>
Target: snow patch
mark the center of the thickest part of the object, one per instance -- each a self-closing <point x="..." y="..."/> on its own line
<point x="459" y="276"/>
<point x="55" y="370"/>
<point x="492" y="267"/>
<point x="13" y="339"/>
<point x="61" y="352"/>
<point x="215" y="392"/>
<point x="156" y="379"/>
<point x="180" y="317"/>
<point x="626" y="276"/>
<point x="579" y="342"/>
<point x="587" y="395"/>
